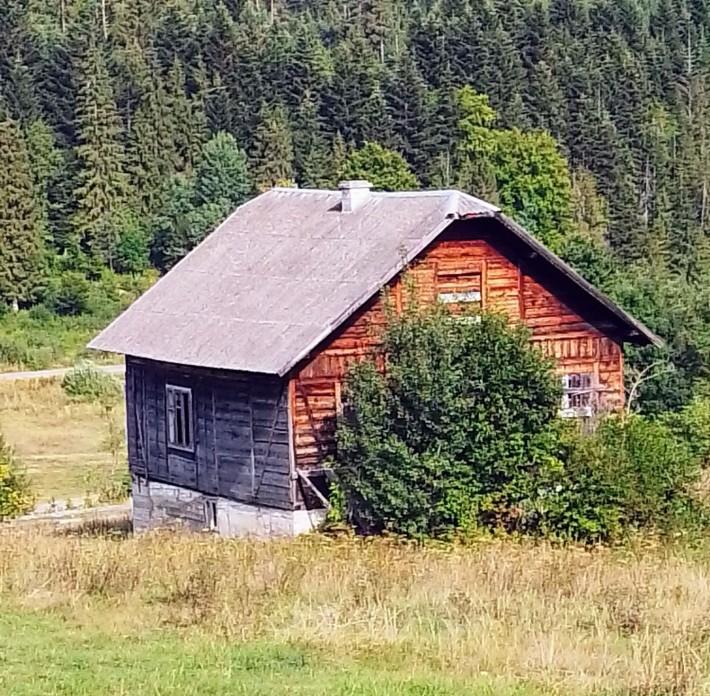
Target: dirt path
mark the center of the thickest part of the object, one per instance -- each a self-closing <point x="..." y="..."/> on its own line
<point x="59" y="372"/>
<point x="43" y="514"/>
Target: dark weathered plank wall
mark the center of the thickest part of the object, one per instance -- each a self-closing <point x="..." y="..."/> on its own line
<point x="511" y="283"/>
<point x="241" y="432"/>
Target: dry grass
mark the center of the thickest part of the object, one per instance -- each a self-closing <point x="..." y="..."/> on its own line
<point x="61" y="443"/>
<point x="567" y="620"/>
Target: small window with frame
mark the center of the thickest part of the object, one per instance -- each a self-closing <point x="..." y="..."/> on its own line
<point x="460" y="291"/>
<point x="579" y="391"/>
<point x="180" y="418"/>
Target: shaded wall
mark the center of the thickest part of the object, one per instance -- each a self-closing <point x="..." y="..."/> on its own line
<point x="241" y="432"/>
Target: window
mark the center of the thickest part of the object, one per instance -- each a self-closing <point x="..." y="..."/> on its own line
<point x="578" y="396"/>
<point x="180" y="421"/>
<point x="211" y="514"/>
<point x="460" y="291"/>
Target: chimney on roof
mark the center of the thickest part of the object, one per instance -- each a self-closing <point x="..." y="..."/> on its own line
<point x="353" y="194"/>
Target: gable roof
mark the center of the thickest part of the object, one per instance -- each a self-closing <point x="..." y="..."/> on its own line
<point x="286" y="269"/>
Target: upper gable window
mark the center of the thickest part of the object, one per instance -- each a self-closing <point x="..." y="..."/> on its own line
<point x="180" y="418"/>
<point x="578" y="395"/>
<point x="459" y="290"/>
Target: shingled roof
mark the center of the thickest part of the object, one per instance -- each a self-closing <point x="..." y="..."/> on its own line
<point x="286" y="269"/>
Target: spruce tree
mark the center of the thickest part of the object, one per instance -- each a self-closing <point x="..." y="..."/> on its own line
<point x="272" y="153"/>
<point x="310" y="146"/>
<point x="103" y="190"/>
<point x="221" y="174"/>
<point x="183" y="118"/>
<point x="46" y="162"/>
<point x="20" y="237"/>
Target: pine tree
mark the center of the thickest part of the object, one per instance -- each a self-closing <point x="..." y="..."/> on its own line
<point x="103" y="190"/>
<point x="411" y="108"/>
<point x="338" y="156"/>
<point x="354" y="96"/>
<point x="171" y="228"/>
<point x="20" y="237"/>
<point x="272" y="153"/>
<point x="184" y="119"/>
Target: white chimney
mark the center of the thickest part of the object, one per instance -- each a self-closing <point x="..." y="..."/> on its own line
<point x="353" y="194"/>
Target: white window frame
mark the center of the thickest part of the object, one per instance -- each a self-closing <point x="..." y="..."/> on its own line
<point x="172" y="415"/>
<point x="586" y="411"/>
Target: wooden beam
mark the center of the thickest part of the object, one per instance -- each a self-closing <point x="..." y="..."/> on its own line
<point x="292" y="438"/>
<point x="310" y="484"/>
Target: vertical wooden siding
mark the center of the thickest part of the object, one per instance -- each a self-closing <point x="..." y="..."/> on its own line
<point x="241" y="433"/>
<point x="576" y="345"/>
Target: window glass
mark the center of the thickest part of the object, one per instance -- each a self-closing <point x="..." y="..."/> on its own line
<point x="179" y="414"/>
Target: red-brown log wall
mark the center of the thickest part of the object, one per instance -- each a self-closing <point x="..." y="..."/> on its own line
<point x="576" y="346"/>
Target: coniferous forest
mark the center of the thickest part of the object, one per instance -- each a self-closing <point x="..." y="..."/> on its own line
<point x="129" y="129"/>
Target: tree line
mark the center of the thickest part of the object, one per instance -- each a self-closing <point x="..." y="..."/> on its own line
<point x="129" y="128"/>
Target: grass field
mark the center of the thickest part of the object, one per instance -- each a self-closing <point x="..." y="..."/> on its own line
<point x="62" y="444"/>
<point x="168" y="614"/>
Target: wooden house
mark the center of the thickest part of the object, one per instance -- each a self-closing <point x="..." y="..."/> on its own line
<point x="235" y="359"/>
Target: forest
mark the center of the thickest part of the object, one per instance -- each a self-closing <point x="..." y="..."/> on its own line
<point x="129" y="129"/>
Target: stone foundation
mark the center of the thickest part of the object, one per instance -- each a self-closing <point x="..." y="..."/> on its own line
<point x="157" y="505"/>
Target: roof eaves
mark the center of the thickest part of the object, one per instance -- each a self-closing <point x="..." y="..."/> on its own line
<point x="637" y="328"/>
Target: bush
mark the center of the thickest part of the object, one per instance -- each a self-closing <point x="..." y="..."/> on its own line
<point x="451" y="435"/>
<point x="15" y="496"/>
<point x="632" y="474"/>
<point x="692" y="425"/>
<point x="85" y="382"/>
<point x="68" y="294"/>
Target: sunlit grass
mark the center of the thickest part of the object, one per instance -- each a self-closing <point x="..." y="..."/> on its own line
<point x="61" y="443"/>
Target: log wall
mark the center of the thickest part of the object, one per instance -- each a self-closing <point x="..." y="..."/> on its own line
<point x="508" y="282"/>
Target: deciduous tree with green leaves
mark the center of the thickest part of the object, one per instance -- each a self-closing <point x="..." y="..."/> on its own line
<point x="384" y="169"/>
<point x="453" y="431"/>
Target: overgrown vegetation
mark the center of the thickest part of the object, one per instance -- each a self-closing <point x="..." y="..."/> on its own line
<point x="459" y="432"/>
<point x="85" y="382"/>
<point x="71" y="311"/>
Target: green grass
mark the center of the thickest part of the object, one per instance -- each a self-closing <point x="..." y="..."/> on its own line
<point x="47" y="654"/>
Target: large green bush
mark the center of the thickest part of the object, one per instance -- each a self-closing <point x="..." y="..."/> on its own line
<point x="692" y="425"/>
<point x="15" y="495"/>
<point x="453" y="431"/>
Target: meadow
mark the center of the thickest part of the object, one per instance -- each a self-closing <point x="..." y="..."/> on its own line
<point x="64" y="445"/>
<point x="169" y="614"/>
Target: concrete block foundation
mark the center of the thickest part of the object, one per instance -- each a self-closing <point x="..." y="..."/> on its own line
<point x="159" y="505"/>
